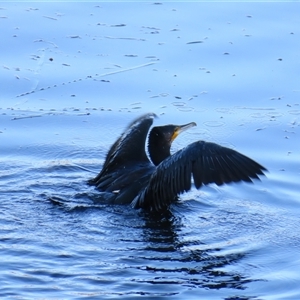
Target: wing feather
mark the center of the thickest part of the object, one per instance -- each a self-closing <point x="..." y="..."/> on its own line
<point x="128" y="148"/>
<point x="206" y="162"/>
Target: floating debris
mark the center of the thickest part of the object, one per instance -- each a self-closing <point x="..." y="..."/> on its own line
<point x="195" y="42"/>
<point x="51" y="18"/>
<point x="118" y="25"/>
<point x="90" y="77"/>
<point x="74" y="37"/>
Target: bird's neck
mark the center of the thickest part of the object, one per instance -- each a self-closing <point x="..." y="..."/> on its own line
<point x="158" y="150"/>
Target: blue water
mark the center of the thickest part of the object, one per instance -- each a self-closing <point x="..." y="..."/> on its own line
<point x="74" y="75"/>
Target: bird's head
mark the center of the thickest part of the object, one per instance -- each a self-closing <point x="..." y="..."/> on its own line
<point x="161" y="138"/>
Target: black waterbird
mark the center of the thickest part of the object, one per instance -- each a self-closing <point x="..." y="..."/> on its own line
<point x="129" y="177"/>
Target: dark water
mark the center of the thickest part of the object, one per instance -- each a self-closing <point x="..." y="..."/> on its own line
<point x="73" y="76"/>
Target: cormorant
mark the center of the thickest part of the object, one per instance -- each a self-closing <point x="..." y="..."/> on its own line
<point x="128" y="176"/>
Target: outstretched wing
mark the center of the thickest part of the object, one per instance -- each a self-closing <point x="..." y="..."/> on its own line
<point x="206" y="162"/>
<point x="129" y="147"/>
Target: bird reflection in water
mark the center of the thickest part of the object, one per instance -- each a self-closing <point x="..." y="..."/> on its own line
<point x="174" y="256"/>
<point x="128" y="176"/>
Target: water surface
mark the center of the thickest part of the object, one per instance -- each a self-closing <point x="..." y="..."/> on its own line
<point x="74" y="75"/>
